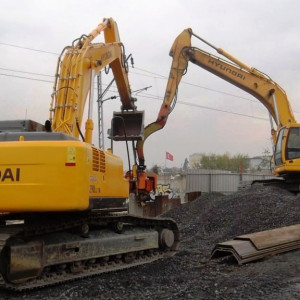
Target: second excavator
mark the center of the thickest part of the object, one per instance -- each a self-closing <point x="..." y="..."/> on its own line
<point x="286" y="132"/>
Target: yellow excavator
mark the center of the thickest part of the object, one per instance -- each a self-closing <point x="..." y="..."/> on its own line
<point x="285" y="137"/>
<point x="64" y="202"/>
<point x="286" y="134"/>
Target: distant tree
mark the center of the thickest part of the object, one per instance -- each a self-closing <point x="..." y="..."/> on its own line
<point x="156" y="169"/>
<point x="196" y="165"/>
<point x="225" y="161"/>
<point x="185" y="165"/>
<point x="239" y="163"/>
<point x="265" y="159"/>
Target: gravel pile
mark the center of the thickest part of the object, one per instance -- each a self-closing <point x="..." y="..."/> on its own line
<point x="204" y="222"/>
<point x="214" y="218"/>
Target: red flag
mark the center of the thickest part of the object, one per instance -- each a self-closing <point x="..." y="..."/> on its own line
<point x="169" y="156"/>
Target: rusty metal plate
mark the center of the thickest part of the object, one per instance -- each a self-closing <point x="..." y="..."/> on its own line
<point x="271" y="238"/>
<point x="258" y="245"/>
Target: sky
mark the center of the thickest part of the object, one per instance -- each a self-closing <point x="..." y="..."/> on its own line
<point x="211" y="116"/>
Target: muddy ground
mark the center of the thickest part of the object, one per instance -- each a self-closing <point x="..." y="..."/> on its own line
<point x="189" y="274"/>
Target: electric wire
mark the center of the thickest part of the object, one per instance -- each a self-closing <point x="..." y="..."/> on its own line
<point x="192" y="84"/>
<point x="206" y="107"/>
<point x="27" y="48"/>
<point x="23" y="77"/>
<point x="141" y="69"/>
<point x="38" y="74"/>
<point x="149" y="96"/>
<point x="187" y="83"/>
<point x="25" y="72"/>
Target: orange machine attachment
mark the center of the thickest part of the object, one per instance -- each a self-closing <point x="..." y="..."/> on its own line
<point x="141" y="183"/>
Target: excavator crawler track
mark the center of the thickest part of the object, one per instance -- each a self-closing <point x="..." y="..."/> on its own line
<point x="82" y="245"/>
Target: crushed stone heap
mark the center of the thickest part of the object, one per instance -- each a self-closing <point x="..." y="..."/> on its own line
<point x="214" y="218"/>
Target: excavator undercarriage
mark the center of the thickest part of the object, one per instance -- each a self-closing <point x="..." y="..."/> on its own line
<point x="44" y="249"/>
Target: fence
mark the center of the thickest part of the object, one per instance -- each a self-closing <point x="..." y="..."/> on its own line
<point x="206" y="181"/>
<point x="216" y="181"/>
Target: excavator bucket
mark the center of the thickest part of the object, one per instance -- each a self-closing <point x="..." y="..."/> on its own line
<point x="127" y="125"/>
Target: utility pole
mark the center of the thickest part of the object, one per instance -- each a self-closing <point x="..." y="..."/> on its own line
<point x="100" y="111"/>
<point x="100" y="101"/>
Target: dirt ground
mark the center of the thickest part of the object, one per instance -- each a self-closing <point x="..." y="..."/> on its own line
<point x="190" y="274"/>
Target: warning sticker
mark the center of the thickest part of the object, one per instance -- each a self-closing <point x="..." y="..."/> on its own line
<point x="71" y="154"/>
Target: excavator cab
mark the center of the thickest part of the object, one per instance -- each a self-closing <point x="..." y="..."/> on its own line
<point x="287" y="151"/>
<point x="127" y="125"/>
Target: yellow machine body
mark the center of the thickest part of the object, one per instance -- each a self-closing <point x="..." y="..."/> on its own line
<point x="58" y="176"/>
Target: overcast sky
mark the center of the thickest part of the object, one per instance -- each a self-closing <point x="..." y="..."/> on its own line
<point x="262" y="33"/>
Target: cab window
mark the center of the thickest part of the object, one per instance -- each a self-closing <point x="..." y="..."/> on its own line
<point x="278" y="148"/>
<point x="293" y="143"/>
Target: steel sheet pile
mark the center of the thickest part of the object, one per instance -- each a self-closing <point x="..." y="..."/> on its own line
<point x="190" y="274"/>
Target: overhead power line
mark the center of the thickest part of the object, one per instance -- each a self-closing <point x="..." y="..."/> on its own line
<point x="221" y="110"/>
<point x="206" y="107"/>
<point x="153" y="97"/>
<point x="143" y="70"/>
<point x="193" y="84"/>
<point x="25" y="72"/>
<point x="23" y="77"/>
<point x="35" y="79"/>
<point x="31" y="49"/>
<point x="151" y="72"/>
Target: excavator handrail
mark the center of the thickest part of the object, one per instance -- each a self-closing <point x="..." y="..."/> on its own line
<point x="76" y="71"/>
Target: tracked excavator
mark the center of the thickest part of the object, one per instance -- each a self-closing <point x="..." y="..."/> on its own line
<point x="286" y="133"/>
<point x="285" y="136"/>
<point x="64" y="202"/>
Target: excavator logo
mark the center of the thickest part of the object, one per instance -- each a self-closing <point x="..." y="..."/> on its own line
<point x="220" y="66"/>
<point x="10" y="175"/>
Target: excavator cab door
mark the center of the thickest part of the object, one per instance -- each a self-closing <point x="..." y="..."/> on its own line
<point x="127" y="125"/>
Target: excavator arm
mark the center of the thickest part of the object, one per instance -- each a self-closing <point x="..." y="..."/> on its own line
<point x="74" y="78"/>
<point x="256" y="83"/>
<point x="178" y="68"/>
